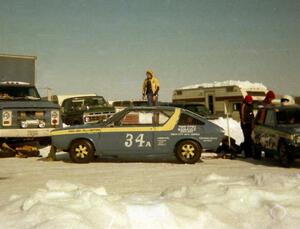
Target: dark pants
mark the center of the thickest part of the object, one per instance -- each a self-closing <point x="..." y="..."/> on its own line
<point x="151" y="101"/>
<point x="247" y="131"/>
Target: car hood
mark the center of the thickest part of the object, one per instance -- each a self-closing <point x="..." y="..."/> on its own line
<point x="28" y="104"/>
<point x="100" y="109"/>
<point x="292" y="129"/>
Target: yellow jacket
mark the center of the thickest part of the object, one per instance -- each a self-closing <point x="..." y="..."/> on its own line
<point x="154" y="85"/>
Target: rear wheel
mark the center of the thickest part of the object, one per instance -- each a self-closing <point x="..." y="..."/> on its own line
<point x="81" y="151"/>
<point x="188" y="152"/>
<point x="285" y="156"/>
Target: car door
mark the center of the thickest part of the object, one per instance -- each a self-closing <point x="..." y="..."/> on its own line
<point x="268" y="135"/>
<point x="130" y="135"/>
<point x="165" y="122"/>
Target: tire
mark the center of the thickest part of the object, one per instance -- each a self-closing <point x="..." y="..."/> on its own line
<point x="81" y="151"/>
<point x="188" y="152"/>
<point x="285" y="156"/>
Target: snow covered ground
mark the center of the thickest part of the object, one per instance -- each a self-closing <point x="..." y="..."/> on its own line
<point x="215" y="193"/>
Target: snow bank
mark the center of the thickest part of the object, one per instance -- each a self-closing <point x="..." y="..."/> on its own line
<point x="257" y="201"/>
<point x="234" y="128"/>
<point x="240" y="84"/>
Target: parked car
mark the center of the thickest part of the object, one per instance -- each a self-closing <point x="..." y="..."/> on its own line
<point x="141" y="133"/>
<point x="277" y="133"/>
<point x="85" y="109"/>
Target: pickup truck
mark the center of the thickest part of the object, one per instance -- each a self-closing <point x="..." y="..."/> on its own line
<point x="24" y="116"/>
<point x="86" y="110"/>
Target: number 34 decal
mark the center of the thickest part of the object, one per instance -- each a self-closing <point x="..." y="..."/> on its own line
<point x="139" y="141"/>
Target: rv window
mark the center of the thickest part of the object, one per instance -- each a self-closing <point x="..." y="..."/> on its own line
<point x="256" y="93"/>
<point x="229" y="89"/>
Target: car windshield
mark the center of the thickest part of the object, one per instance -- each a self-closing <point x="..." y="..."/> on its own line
<point x="121" y="103"/>
<point x="95" y="102"/>
<point x="288" y="116"/>
<point x="16" y="93"/>
<point x="83" y="104"/>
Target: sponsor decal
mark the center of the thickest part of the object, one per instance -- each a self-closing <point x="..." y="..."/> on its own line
<point x="187" y="129"/>
<point x="208" y="139"/>
<point x="162" y="141"/>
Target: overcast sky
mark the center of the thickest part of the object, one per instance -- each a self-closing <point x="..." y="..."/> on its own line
<point x="105" y="46"/>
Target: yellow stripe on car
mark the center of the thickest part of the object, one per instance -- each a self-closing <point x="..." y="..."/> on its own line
<point x="167" y="127"/>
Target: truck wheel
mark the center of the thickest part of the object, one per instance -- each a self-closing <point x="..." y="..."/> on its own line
<point x="81" y="151"/>
<point x="285" y="156"/>
<point x="188" y="152"/>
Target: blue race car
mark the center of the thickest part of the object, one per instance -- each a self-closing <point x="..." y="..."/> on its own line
<point x="141" y="133"/>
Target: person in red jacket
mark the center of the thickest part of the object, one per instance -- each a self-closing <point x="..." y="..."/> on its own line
<point x="270" y="96"/>
<point x="247" y="123"/>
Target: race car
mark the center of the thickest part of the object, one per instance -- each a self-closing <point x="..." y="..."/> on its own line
<point x="141" y="133"/>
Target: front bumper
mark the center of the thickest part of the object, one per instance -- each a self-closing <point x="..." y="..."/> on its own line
<point x="26" y="133"/>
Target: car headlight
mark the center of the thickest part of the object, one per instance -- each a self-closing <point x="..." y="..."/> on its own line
<point x="54" y="117"/>
<point x="86" y="119"/>
<point x="6" y="118"/>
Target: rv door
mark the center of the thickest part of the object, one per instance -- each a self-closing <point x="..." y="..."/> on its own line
<point x="210" y="102"/>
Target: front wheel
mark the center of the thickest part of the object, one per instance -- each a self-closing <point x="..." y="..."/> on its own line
<point x="81" y="151"/>
<point x="188" y="152"/>
<point x="285" y="156"/>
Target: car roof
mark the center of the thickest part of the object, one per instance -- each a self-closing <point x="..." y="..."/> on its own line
<point x="151" y="108"/>
<point x="282" y="107"/>
<point x="83" y="97"/>
<point x="188" y="103"/>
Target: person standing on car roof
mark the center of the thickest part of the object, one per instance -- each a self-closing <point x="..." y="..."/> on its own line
<point x="151" y="88"/>
<point x="247" y="123"/>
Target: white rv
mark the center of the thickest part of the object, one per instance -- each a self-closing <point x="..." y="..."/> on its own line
<point x="214" y="95"/>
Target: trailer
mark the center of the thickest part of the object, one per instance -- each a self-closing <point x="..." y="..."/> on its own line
<point x="214" y="95"/>
<point x="18" y="68"/>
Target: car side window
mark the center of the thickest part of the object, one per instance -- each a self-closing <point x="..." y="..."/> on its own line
<point x="188" y="120"/>
<point x="270" y="118"/>
<point x="144" y="118"/>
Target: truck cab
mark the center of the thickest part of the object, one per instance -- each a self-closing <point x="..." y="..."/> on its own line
<point x="24" y="115"/>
